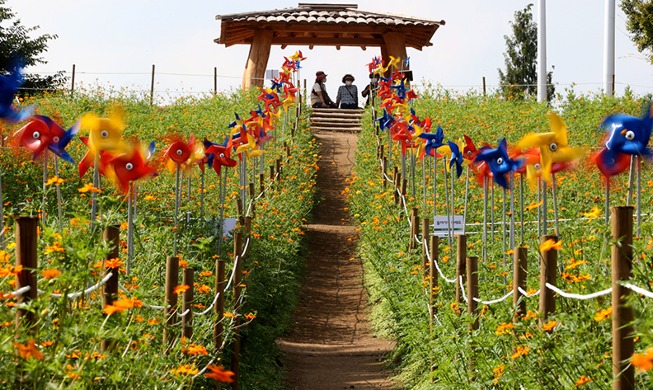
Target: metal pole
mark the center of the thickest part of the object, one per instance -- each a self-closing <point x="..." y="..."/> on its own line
<point x="541" y="52"/>
<point x="608" y="50"/>
<point x="72" y="83"/>
<point x="215" y="80"/>
<point x="152" y="87"/>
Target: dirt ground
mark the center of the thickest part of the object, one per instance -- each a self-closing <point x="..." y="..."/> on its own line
<point x="331" y="345"/>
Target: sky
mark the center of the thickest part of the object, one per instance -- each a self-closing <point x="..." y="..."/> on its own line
<point x="114" y="44"/>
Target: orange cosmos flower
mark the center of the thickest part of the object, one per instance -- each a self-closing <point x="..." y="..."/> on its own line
<point x="29" y="350"/>
<point x="50" y="273"/>
<point x="219" y="374"/>
<point x="643" y="361"/>
<point x="550" y="244"/>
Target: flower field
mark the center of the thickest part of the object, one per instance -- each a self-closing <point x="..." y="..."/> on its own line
<point x="572" y="346"/>
<point x="64" y="346"/>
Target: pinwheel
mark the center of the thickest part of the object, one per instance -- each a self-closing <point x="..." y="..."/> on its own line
<point x="456" y="159"/>
<point x="433" y="141"/>
<point x="553" y="148"/>
<point x="394" y="62"/>
<point x="9" y="84"/>
<point x="627" y="135"/>
<point x="376" y="63"/>
<point x="42" y="134"/>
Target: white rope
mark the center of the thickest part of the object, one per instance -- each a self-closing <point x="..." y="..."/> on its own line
<point x="203" y="370"/>
<point x="251" y="201"/>
<point x="638" y="290"/>
<point x="492" y="302"/>
<point x="462" y="288"/>
<point x="526" y="294"/>
<point x="85" y="292"/>
<point x="578" y="296"/>
<point x="19" y="292"/>
<point x="428" y="255"/>
<point x="184" y="314"/>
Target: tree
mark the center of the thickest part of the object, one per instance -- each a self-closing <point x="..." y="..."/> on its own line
<point x="520" y="78"/>
<point x="16" y="45"/>
<point x="640" y="24"/>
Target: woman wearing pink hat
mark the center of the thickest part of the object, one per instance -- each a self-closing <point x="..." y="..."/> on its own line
<point x="319" y="96"/>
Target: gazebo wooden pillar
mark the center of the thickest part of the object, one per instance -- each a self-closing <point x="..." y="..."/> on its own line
<point x="259" y="54"/>
<point x="394" y="44"/>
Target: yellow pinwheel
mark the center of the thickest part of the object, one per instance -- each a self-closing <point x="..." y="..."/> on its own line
<point x="553" y="145"/>
<point x="105" y="134"/>
<point x="394" y="62"/>
<point x="250" y="148"/>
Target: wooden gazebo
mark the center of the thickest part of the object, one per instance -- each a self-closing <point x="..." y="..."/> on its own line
<point x="313" y="24"/>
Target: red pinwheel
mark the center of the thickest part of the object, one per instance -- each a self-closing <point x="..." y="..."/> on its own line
<point x="88" y="160"/>
<point x="128" y="167"/>
<point x="42" y="132"/>
<point x="221" y="156"/>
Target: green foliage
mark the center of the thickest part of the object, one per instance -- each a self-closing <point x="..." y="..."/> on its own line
<point x="640" y="24"/>
<point x="16" y="43"/>
<point x="520" y="78"/>
<point x="497" y="355"/>
<point x="69" y="331"/>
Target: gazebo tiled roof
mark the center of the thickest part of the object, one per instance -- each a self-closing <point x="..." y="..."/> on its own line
<point x="313" y="24"/>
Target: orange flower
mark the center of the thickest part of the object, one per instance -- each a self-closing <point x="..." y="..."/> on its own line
<point x="547" y="327"/>
<point x="88" y="187"/>
<point x="498" y="373"/>
<point x="505" y="328"/>
<point x="582" y="380"/>
<point x="29" y="350"/>
<point x="183" y="263"/>
<point x="55" y="247"/>
<point x="195" y="349"/>
<point x="180" y="289"/>
<point x="219" y="374"/>
<point x="54" y="180"/>
<point x="113" y="263"/>
<point x="592" y="214"/>
<point x="50" y="273"/>
<point x="603" y="314"/>
<point x="550" y="244"/>
<point x="229" y="315"/>
<point x="520" y="351"/>
<point x="202" y="288"/>
<point x="250" y="316"/>
<point x="643" y="361"/>
<point x="529" y="315"/>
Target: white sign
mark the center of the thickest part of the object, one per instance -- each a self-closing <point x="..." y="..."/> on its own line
<point x="228" y="225"/>
<point x="442" y="225"/>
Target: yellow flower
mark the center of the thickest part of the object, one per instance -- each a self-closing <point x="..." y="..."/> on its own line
<point x="603" y="314"/>
<point x="582" y="380"/>
<point x="594" y="213"/>
<point x="149" y="197"/>
<point x="575" y="264"/>
<point x="185" y="369"/>
<point x="88" y="187"/>
<point x="533" y="206"/>
<point x="55" y="247"/>
<point x="55" y="180"/>
<point x="550" y="244"/>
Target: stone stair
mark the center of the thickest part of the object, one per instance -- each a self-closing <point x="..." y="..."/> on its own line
<point x="336" y="120"/>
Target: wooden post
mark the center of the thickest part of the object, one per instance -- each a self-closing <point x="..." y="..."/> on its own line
<point x="172" y="281"/>
<point x="395" y="45"/>
<point x="396" y="177"/>
<point x="413" y="228"/>
<point x="72" y="83"/>
<point x="218" y="309"/>
<point x="110" y="289"/>
<point x="461" y="258"/>
<point x="484" y="91"/>
<point x="622" y="314"/>
<point x="271" y="172"/>
<point x="239" y="208"/>
<point x="26" y="257"/>
<point x="278" y="162"/>
<point x="152" y="87"/>
<point x="384" y="172"/>
<point x="235" y="346"/>
<point x="404" y="184"/>
<point x="548" y="272"/>
<point x="472" y="290"/>
<point x="259" y="53"/>
<point x="261" y="179"/>
<point x="188" y="279"/>
<point x="252" y="195"/>
<point x="215" y="80"/>
<point x="613" y="84"/>
<point x="520" y="271"/>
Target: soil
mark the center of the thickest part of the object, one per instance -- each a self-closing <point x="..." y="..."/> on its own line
<point x="331" y="345"/>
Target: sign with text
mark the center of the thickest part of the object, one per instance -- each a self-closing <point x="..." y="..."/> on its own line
<point x="441" y="225"/>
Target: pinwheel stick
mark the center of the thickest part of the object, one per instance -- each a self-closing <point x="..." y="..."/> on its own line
<point x="45" y="179"/>
<point x="485" y="201"/>
<point x="639" y="196"/>
<point x="2" y="217"/>
<point x="223" y="185"/>
<point x="130" y="227"/>
<point x="59" y="199"/>
<point x="504" y="230"/>
<point x="435" y="188"/>
<point x="631" y="176"/>
<point x="554" y="187"/>
<point x="492" y="210"/>
<point x="188" y="183"/>
<point x="521" y="207"/>
<point x="96" y="184"/>
<point x="177" y="201"/>
<point x="424" y="181"/>
<point x="446" y="204"/>
<point x="607" y="200"/>
<point x="202" y="195"/>
<point x="466" y="200"/>
<point x="403" y="166"/>
<point x="412" y="174"/>
<point x="544" y="208"/>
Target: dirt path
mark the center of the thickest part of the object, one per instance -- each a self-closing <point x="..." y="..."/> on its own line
<point x="331" y="345"/>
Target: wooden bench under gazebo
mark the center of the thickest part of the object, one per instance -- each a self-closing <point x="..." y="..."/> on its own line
<point x="313" y="24"/>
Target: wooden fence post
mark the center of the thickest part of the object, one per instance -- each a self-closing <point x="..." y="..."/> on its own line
<point x="622" y="314"/>
<point x="404" y="185"/>
<point x="272" y="174"/>
<point x="252" y="195"/>
<point x="520" y="271"/>
<point x="188" y="279"/>
<point x="170" y="312"/>
<point x="385" y="172"/>
<point x="220" y="282"/>
<point x="472" y="290"/>
<point x="261" y="179"/>
<point x="548" y="272"/>
<point x="413" y="228"/>
<point x="235" y="346"/>
<point x="111" y="235"/>
<point x="26" y="257"/>
<point x="461" y="258"/>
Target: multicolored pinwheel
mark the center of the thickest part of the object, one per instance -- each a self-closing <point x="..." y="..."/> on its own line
<point x="499" y="162"/>
<point x="129" y="167"/>
<point x="9" y="84"/>
<point x="42" y="132"/>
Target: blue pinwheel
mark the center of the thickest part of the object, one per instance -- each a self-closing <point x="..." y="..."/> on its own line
<point x="629" y="134"/>
<point x="457" y="158"/>
<point x="386" y="121"/>
<point x="433" y="141"/>
<point x="277" y="85"/>
<point x="9" y="85"/>
<point x="499" y="162"/>
<point x="400" y="89"/>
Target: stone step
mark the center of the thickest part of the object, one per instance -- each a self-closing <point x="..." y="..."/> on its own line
<point x="337" y="129"/>
<point x="345" y="121"/>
